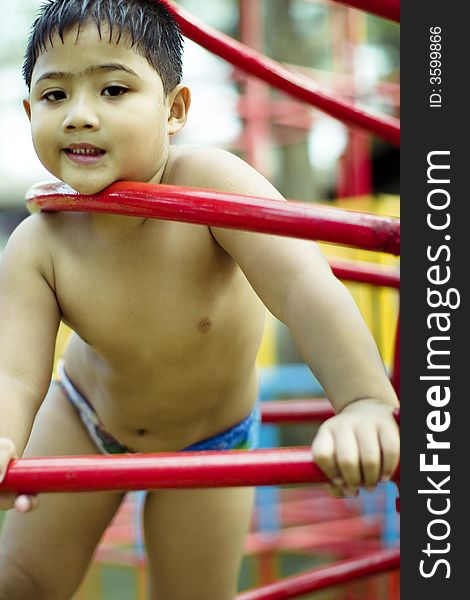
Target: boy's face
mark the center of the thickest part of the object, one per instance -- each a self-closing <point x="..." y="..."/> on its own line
<point x="99" y="113"/>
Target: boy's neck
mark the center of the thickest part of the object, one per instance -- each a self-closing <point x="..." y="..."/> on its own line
<point x="114" y="225"/>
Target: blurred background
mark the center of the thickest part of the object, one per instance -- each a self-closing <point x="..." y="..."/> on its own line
<point x="308" y="156"/>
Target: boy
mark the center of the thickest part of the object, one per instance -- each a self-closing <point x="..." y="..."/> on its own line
<point x="167" y="317"/>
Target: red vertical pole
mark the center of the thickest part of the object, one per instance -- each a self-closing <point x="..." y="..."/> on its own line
<point x="355" y="170"/>
<point x="256" y="126"/>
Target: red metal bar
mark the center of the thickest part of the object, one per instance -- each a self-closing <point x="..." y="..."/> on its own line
<point x="163" y="470"/>
<point x="301" y="411"/>
<point x="341" y="84"/>
<point x="256" y="126"/>
<point x="354" y="166"/>
<point x="323" y="577"/>
<point x="278" y="76"/>
<point x="364" y="272"/>
<point x="388" y="9"/>
<point x="222" y="209"/>
<point x="296" y="411"/>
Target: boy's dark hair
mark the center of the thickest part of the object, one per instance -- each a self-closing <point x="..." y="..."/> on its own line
<point x="153" y="32"/>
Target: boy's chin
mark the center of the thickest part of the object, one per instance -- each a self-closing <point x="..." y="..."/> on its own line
<point x="87" y="189"/>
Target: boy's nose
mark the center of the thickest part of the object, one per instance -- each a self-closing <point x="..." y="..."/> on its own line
<point x="80" y="116"/>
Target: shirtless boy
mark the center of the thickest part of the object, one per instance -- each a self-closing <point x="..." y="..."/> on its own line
<point x="167" y="317"/>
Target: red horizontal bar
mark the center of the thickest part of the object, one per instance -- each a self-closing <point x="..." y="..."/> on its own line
<point x="163" y="470"/>
<point x="296" y="411"/>
<point x="323" y="577"/>
<point x="271" y="72"/>
<point x="223" y="209"/>
<point x="365" y="272"/>
<point x="299" y="411"/>
<point x="388" y="9"/>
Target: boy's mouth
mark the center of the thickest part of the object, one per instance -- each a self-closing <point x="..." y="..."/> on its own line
<point x="84" y="153"/>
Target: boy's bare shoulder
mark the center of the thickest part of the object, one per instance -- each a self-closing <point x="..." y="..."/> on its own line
<point x="29" y="244"/>
<point x="214" y="168"/>
<point x="32" y="230"/>
<point x="198" y="166"/>
<point x="35" y="231"/>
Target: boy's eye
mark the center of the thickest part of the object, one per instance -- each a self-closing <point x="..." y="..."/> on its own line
<point x="54" y="96"/>
<point x="114" y="90"/>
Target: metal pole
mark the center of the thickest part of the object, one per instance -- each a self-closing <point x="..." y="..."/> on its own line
<point x="223" y="209"/>
<point x="296" y="411"/>
<point x="365" y="272"/>
<point x="388" y="9"/>
<point x="163" y="470"/>
<point x="323" y="577"/>
<point x="257" y="105"/>
<point x="278" y="76"/>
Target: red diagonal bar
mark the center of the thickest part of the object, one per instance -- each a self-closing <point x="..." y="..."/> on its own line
<point x="278" y="76"/>
<point x="323" y="577"/>
<point x="388" y="9"/>
<point x="163" y="470"/>
<point x="222" y="209"/>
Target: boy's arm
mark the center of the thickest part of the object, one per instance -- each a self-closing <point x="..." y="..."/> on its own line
<point x="29" y="319"/>
<point x="292" y="278"/>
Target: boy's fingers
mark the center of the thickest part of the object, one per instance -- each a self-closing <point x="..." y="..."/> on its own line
<point x="390" y="443"/>
<point x="323" y="450"/>
<point x="335" y="490"/>
<point x="347" y="458"/>
<point x="350" y="493"/>
<point x="7" y="452"/>
<point x="371" y="459"/>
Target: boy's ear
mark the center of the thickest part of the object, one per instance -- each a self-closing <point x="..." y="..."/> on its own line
<point x="27" y="108"/>
<point x="179" y="101"/>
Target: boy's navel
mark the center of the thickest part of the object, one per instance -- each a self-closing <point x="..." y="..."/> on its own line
<point x="204" y="325"/>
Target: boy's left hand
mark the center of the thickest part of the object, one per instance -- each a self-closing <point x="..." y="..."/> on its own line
<point x="358" y="447"/>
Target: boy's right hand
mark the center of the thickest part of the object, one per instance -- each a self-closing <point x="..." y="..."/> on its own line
<point x="7" y="500"/>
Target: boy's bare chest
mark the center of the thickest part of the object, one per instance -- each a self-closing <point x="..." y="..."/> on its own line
<point x="161" y="293"/>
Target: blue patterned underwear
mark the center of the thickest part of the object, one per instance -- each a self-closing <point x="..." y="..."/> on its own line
<point x="242" y="436"/>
